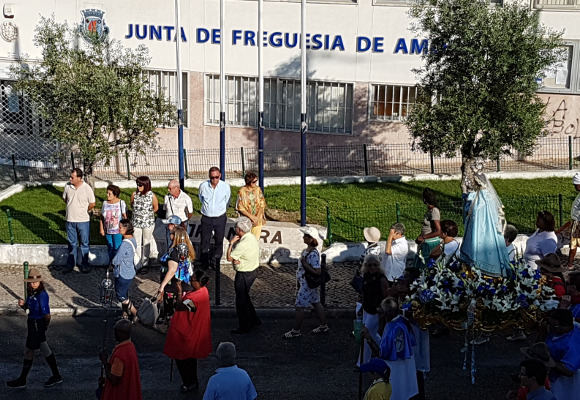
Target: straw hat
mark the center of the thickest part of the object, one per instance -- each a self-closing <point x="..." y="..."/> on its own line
<point x="34" y="276"/>
<point x="541" y="351"/>
<point x="372" y="234"/>
<point x="551" y="263"/>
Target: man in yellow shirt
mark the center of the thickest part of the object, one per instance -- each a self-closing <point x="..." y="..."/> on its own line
<point x="244" y="253"/>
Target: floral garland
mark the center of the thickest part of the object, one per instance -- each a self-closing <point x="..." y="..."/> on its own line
<point x="443" y="294"/>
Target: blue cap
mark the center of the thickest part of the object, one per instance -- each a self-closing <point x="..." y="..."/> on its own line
<point x="375" y="365"/>
<point x="174" y="219"/>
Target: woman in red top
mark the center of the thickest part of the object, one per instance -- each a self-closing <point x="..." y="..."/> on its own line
<point x="189" y="335"/>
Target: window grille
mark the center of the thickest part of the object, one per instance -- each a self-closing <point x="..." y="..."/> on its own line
<point x="557" y="4"/>
<point x="329" y="104"/>
<point x="163" y="82"/>
<point x="391" y="102"/>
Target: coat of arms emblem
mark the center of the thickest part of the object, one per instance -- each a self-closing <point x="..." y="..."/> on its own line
<point x="92" y="26"/>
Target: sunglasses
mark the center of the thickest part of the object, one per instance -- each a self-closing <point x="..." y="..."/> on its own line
<point x="214" y="177"/>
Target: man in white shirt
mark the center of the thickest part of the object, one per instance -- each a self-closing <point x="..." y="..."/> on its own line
<point x="396" y="251"/>
<point x="177" y="203"/>
<point x="214" y="195"/>
<point x="80" y="200"/>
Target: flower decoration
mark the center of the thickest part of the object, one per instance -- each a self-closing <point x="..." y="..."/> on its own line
<point x="443" y="293"/>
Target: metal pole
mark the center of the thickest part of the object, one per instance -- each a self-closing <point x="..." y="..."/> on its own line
<point x="432" y="162"/>
<point x="498" y="165"/>
<point x="10" y="228"/>
<point x="323" y="286"/>
<point x="328" y="225"/>
<point x="26" y="272"/>
<point x="260" y="95"/>
<point x="303" y="123"/>
<point x="222" y="93"/>
<point x="570" y="152"/>
<point x="366" y="161"/>
<point x="179" y="98"/>
<point x="560" y="211"/>
<point x="243" y="162"/>
<point x="72" y="159"/>
<point x="14" y="168"/>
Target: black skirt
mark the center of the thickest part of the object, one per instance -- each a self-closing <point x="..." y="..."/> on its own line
<point x="36" y="333"/>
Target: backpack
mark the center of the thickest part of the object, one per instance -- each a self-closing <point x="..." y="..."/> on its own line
<point x="136" y="259"/>
<point x="148" y="313"/>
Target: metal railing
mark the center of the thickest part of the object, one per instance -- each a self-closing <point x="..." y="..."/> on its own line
<point x="347" y="224"/>
<point x="380" y="160"/>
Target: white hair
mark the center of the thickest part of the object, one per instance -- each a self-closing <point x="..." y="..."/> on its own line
<point x="244" y="224"/>
<point x="372" y="259"/>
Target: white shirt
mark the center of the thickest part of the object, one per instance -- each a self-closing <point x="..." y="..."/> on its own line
<point x="394" y="263"/>
<point x="539" y="245"/>
<point x="511" y="252"/>
<point x="180" y="206"/>
<point x="449" y="251"/>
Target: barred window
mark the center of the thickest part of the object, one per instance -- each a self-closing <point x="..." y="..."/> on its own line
<point x="557" y="4"/>
<point x="391" y="102"/>
<point x="329" y="104"/>
<point x="402" y="3"/>
<point x="163" y="82"/>
<point x="18" y="117"/>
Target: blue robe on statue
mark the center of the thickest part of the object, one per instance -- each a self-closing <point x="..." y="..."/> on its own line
<point x="483" y="243"/>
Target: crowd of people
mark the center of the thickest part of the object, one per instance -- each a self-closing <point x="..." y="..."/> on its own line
<point x="395" y="351"/>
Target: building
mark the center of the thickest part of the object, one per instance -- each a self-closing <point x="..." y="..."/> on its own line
<point x="360" y="59"/>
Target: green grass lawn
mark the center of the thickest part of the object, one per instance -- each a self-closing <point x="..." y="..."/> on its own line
<point x="38" y="213"/>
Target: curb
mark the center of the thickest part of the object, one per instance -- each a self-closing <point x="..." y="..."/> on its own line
<point x="216" y="311"/>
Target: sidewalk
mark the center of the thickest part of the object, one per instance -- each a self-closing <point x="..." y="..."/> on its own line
<point x="273" y="290"/>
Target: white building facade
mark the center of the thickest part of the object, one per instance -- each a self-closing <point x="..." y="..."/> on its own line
<point x="360" y="59"/>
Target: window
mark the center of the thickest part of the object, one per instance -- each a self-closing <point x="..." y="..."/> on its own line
<point x="564" y="75"/>
<point x="391" y="102"/>
<point x="557" y="4"/>
<point x="163" y="82"/>
<point x="403" y="3"/>
<point x="17" y="115"/>
<point x="329" y="104"/>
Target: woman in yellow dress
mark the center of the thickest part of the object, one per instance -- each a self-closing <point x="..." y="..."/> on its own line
<point x="251" y="203"/>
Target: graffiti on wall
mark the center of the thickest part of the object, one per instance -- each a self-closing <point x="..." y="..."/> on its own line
<point x="563" y="117"/>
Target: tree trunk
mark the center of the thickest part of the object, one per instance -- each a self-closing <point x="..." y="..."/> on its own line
<point x="88" y="172"/>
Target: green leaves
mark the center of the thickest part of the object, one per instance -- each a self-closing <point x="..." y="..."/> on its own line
<point x="94" y="95"/>
<point x="482" y="73"/>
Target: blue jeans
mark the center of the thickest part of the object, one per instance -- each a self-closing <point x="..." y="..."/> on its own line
<point x="113" y="243"/>
<point x="74" y="231"/>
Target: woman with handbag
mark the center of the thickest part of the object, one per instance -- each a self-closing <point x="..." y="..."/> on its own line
<point x="177" y="266"/>
<point x="144" y="204"/>
<point x="309" y="263"/>
<point x="375" y="289"/>
<point x="189" y="335"/>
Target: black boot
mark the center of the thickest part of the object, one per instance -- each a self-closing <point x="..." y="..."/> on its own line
<point x="55" y="378"/>
<point x="20" y="382"/>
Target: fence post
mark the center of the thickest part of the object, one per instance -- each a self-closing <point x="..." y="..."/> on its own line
<point x="243" y="162"/>
<point x="72" y="159"/>
<point x="26" y="272"/>
<point x="328" y="225"/>
<point x="432" y="162"/>
<point x="366" y="159"/>
<point x="570" y="152"/>
<point x="498" y="165"/>
<point x="560" y="207"/>
<point x="14" y="168"/>
<point x="323" y="286"/>
<point x="128" y="167"/>
<point x="185" y="164"/>
<point x="398" y="206"/>
<point x="10" y="228"/>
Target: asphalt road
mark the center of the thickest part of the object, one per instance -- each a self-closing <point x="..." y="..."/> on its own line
<point x="311" y="367"/>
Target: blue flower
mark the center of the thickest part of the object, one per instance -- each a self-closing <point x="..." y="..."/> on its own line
<point x="431" y="263"/>
<point x="535" y="286"/>
<point x="426" y="296"/>
<point x="492" y="291"/>
<point x="504" y="288"/>
<point x="406" y="306"/>
<point x="537" y="275"/>
<point x="461" y="284"/>
<point x="480" y="288"/>
<point x="521" y="297"/>
<point x="525" y="273"/>
<point x="463" y="275"/>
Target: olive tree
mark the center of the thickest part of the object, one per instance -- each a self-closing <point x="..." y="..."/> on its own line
<point x="93" y="93"/>
<point x="477" y="86"/>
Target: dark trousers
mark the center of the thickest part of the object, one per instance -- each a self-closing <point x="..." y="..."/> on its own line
<point x="247" y="316"/>
<point x="187" y="370"/>
<point x="217" y="227"/>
